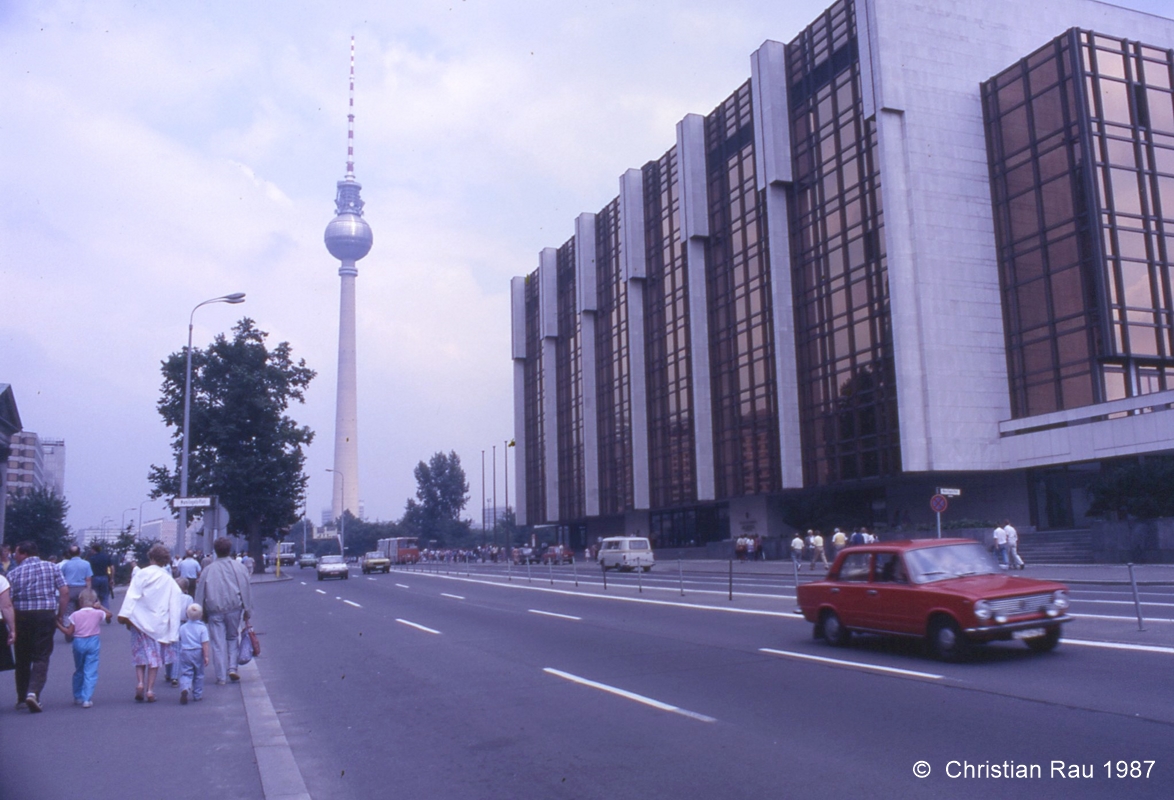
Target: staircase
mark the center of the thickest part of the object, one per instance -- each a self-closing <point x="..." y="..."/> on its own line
<point x="1056" y="547"/>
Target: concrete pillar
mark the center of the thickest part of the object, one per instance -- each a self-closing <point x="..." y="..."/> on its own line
<point x="346" y="419"/>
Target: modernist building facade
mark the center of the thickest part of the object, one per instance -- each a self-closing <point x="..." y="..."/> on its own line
<point x="925" y="244"/>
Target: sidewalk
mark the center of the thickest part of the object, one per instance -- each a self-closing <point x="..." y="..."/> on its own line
<point x="223" y="746"/>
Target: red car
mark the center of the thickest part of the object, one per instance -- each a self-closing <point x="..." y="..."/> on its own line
<point x="950" y="592"/>
<point x="558" y="554"/>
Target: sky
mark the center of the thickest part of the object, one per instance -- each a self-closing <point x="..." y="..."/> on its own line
<point x="158" y="154"/>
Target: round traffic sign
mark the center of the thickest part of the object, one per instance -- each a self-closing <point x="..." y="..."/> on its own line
<point x="938" y="503"/>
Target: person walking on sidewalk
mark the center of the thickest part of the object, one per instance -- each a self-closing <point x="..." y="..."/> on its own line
<point x="102" y="565"/>
<point x="83" y="627"/>
<point x="1012" y="536"/>
<point x="153" y="610"/>
<point x="40" y="598"/>
<point x="193" y="655"/>
<point x="226" y="596"/>
<point x="78" y="574"/>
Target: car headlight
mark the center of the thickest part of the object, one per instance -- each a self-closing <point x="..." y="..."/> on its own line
<point x="1060" y="599"/>
<point x="982" y="610"/>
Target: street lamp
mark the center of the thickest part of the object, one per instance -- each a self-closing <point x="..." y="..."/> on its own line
<point x="181" y="534"/>
<point x="141" y="513"/>
<point x="123" y="529"/>
<point x="342" y="516"/>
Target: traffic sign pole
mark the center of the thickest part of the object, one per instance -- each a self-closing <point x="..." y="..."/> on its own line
<point x="938" y="504"/>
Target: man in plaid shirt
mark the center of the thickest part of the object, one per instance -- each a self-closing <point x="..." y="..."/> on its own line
<point x="40" y="597"/>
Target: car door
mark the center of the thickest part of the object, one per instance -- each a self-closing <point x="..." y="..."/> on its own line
<point x="892" y="599"/>
<point x="848" y="593"/>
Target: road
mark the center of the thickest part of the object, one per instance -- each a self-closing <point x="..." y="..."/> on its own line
<point x="433" y="685"/>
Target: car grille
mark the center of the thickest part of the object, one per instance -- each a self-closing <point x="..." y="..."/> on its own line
<point x="1028" y="604"/>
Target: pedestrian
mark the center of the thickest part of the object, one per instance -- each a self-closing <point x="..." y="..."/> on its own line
<point x="40" y="598"/>
<point x="102" y="566"/>
<point x="751" y="548"/>
<point x="224" y="592"/>
<point x="857" y="537"/>
<point x="7" y="625"/>
<point x="839" y="541"/>
<point x="194" y="654"/>
<point x="83" y="627"/>
<point x="78" y="575"/>
<point x="817" y="551"/>
<point x="1001" y="546"/>
<point x="5" y="559"/>
<point x="1012" y="536"/>
<point x="797" y="549"/>
<point x="152" y="610"/>
<point x="740" y="548"/>
<point x="189" y="568"/>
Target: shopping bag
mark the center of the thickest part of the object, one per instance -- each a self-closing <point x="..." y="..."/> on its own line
<point x="246" y="649"/>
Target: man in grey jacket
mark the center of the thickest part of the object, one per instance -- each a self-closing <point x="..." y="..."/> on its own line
<point x="224" y="592"/>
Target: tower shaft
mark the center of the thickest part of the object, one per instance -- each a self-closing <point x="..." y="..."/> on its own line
<point x="346" y="419"/>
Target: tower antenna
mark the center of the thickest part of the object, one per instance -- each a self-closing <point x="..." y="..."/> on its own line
<point x="350" y="120"/>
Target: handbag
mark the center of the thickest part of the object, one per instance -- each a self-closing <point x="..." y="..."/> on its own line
<point x="254" y="641"/>
<point x="250" y="646"/>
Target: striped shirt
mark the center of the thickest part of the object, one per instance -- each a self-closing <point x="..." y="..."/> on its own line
<point x="35" y="585"/>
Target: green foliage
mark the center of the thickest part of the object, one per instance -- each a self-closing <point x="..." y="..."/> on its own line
<point x="362" y="536"/>
<point x="1137" y="490"/>
<point x="141" y="548"/>
<point x="442" y="492"/>
<point x="243" y="447"/>
<point x="39" y="517"/>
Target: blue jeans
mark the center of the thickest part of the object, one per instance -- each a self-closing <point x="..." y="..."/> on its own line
<point x="191" y="672"/>
<point x="85" y="666"/>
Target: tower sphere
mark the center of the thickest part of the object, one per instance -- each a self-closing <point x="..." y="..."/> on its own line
<point x="348" y="236"/>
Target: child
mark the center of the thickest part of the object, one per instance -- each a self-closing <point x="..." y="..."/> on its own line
<point x="194" y="654"/>
<point x="83" y="626"/>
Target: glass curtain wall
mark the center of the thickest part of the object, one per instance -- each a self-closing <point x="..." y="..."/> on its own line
<point x="672" y="479"/>
<point x="745" y="406"/>
<point x="614" y="400"/>
<point x="844" y="339"/>
<point x="568" y="363"/>
<point x="532" y="408"/>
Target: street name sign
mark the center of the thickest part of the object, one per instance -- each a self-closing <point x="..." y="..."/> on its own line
<point x="191" y="502"/>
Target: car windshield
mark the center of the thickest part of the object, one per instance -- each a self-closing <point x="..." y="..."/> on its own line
<point x="375" y="555"/>
<point x="930" y="564"/>
<point x="331" y="559"/>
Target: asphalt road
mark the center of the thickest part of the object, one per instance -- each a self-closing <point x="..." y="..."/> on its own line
<point x="422" y="685"/>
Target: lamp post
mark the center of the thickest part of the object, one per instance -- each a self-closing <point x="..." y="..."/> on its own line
<point x="102" y="525"/>
<point x="341" y="516"/>
<point x="123" y="529"/>
<point x="181" y="534"/>
<point x="141" y="513"/>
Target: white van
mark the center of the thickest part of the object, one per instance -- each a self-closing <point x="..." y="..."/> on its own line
<point x="626" y="552"/>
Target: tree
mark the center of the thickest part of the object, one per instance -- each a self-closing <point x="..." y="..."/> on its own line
<point x="244" y="448"/>
<point x="442" y="492"/>
<point x="39" y="516"/>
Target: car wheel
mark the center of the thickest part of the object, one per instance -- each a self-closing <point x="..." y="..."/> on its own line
<point x="1045" y="643"/>
<point x="648" y="569"/>
<point x="319" y="577"/>
<point x="834" y="631"/>
<point x="947" y="640"/>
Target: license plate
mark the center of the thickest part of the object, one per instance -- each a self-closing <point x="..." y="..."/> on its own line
<point x="1028" y="633"/>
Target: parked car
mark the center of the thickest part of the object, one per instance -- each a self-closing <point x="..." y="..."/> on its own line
<point x="525" y="555"/>
<point x="333" y="567"/>
<point x="557" y="554"/>
<point x="307" y="560"/>
<point x="626" y="553"/>
<point x="950" y="592"/>
<point x="375" y="562"/>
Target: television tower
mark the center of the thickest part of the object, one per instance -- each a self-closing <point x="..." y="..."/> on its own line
<point x="348" y="238"/>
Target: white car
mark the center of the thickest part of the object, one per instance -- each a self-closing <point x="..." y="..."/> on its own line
<point x="626" y="552"/>
<point x="333" y="567"/>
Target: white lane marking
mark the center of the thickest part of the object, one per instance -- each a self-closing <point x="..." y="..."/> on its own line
<point x="319" y="591"/>
<point x="336" y="597"/>
<point x="453" y="596"/>
<point x="568" y="593"/>
<point x="639" y="698"/>
<point x="1145" y="648"/>
<point x="303" y="583"/>
<point x="1134" y="617"/>
<point x="855" y="664"/>
<point x="417" y="627"/>
<point x="1123" y="602"/>
<point x="552" y="614"/>
<point x="403" y="586"/>
<point x="349" y="603"/>
<point x="370" y="579"/>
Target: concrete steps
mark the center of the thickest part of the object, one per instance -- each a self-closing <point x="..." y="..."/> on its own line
<point x="1056" y="547"/>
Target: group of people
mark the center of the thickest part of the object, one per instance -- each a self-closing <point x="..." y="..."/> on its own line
<point x="812" y="548"/>
<point x="749" y="548"/>
<point x="181" y="624"/>
<point x="1007" y="546"/>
